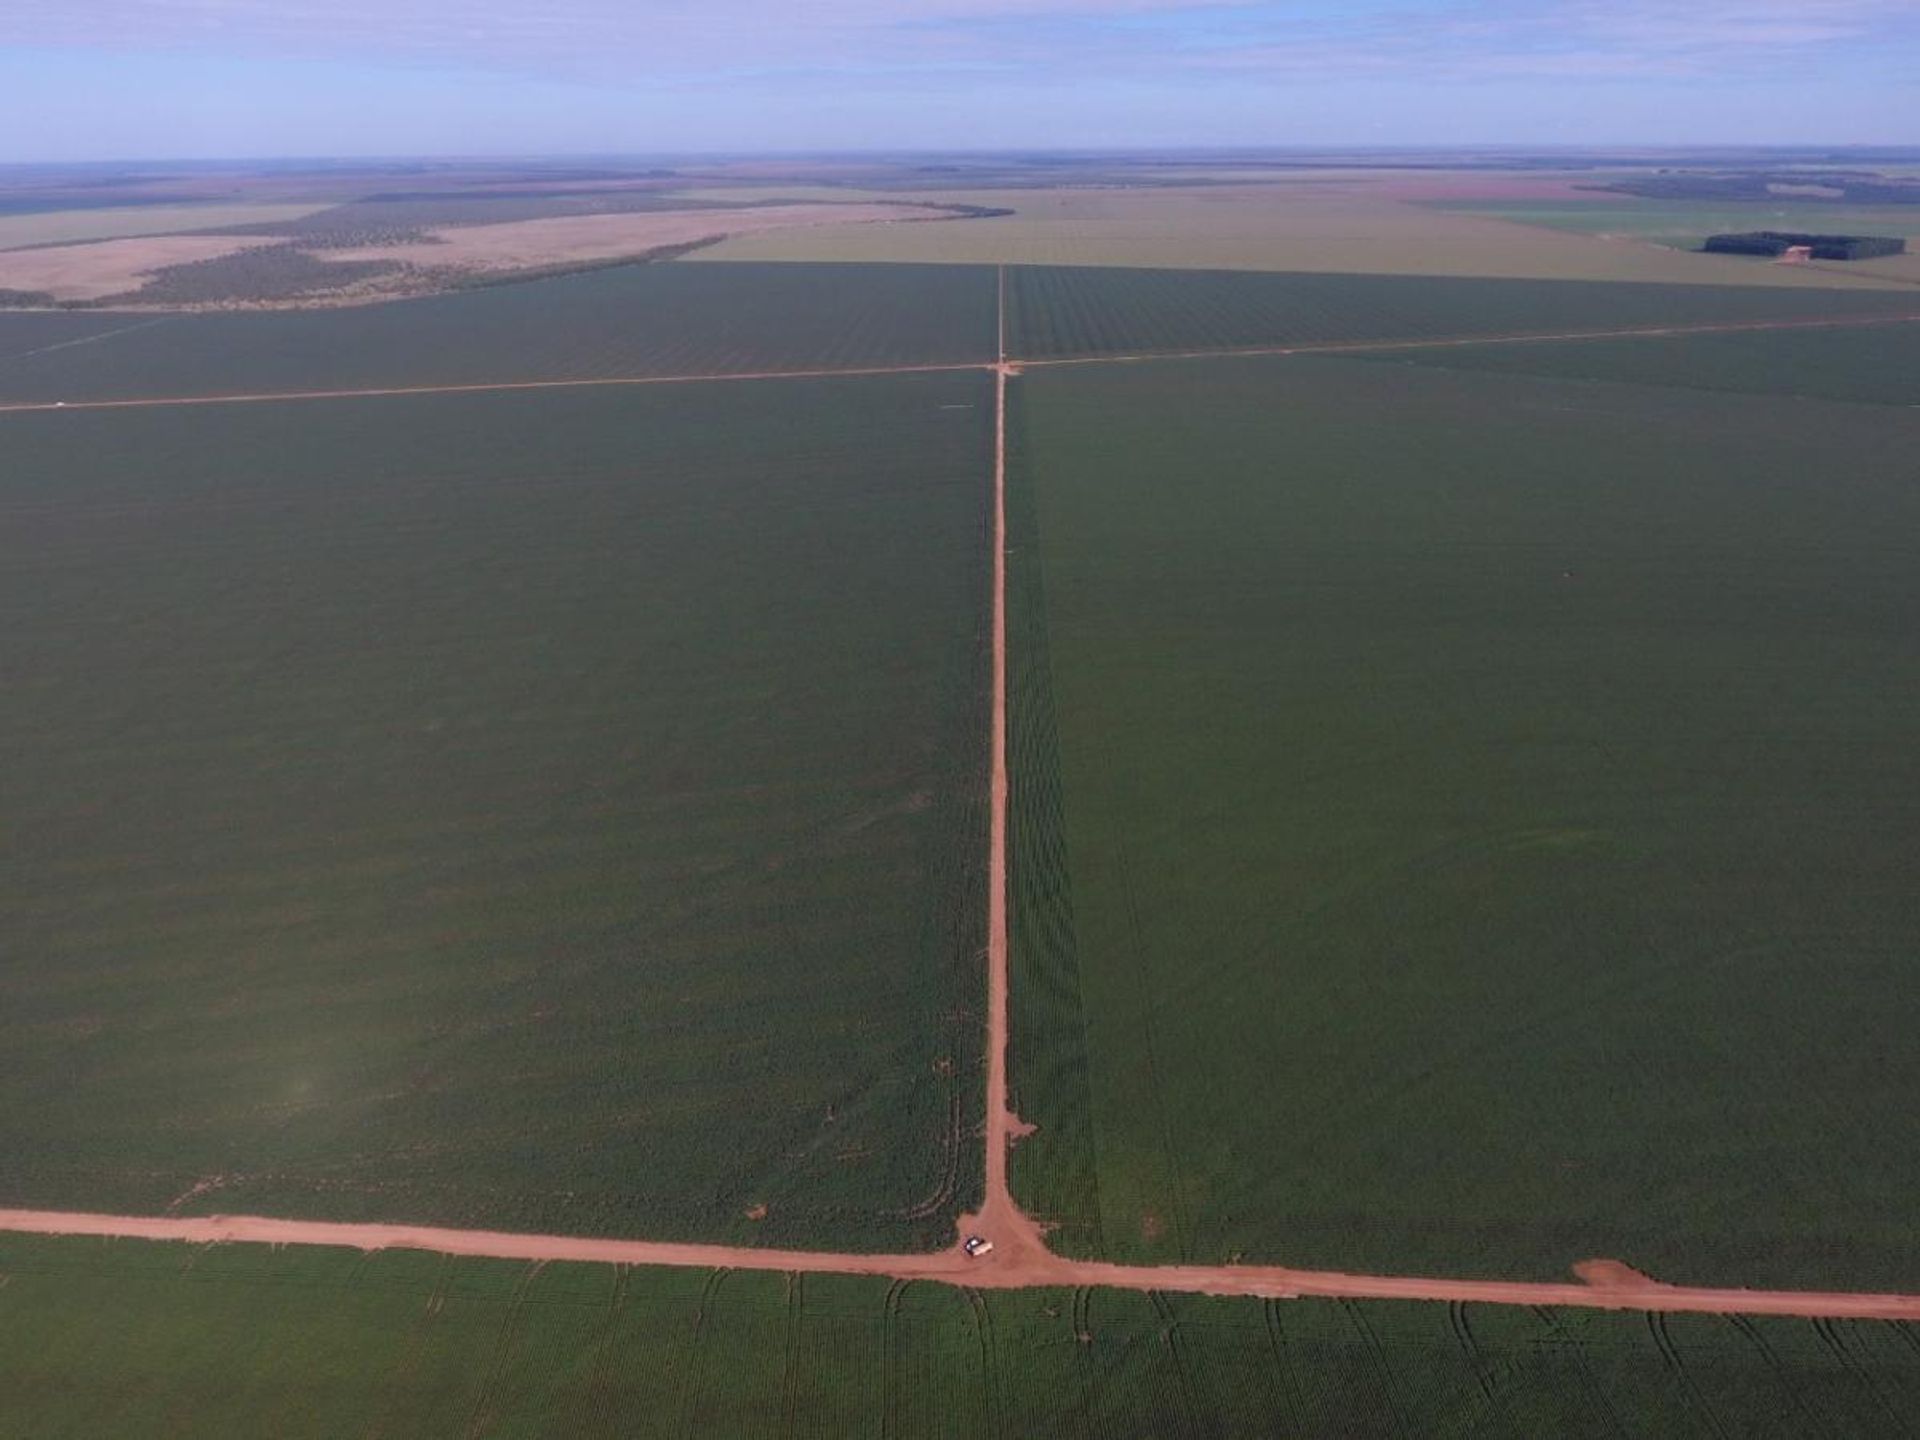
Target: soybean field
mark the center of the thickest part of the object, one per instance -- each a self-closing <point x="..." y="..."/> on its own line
<point x="1468" y="844"/>
<point x="138" y="1340"/>
<point x="555" y="811"/>
<point x="1066" y="312"/>
<point x="1869" y="364"/>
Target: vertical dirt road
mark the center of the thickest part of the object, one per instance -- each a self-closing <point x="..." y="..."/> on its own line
<point x="1019" y="1244"/>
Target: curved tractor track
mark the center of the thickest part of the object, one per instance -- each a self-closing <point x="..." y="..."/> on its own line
<point x="1020" y="1257"/>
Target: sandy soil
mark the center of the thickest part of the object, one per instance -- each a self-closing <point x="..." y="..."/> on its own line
<point x="111" y="267"/>
<point x="571" y="239"/>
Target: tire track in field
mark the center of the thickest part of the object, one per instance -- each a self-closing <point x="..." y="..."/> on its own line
<point x="485" y="1405"/>
<point x="1287" y="1382"/>
<point x="890" y="1360"/>
<point x="1690" y="1391"/>
<point x="1578" y="1351"/>
<point x="1751" y="1333"/>
<point x="1377" y="1362"/>
<point x="1483" y="1374"/>
<point x="952" y="1137"/>
<point x="598" y="1399"/>
<point x="1861" y="1374"/>
<point x="1177" y="1357"/>
<point x="790" y="1379"/>
<point x="1085" y="1369"/>
<point x="696" y="1353"/>
<point x="399" y="1384"/>
<point x="990" y="1393"/>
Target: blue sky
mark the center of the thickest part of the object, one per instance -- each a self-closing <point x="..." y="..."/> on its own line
<point x="96" y="79"/>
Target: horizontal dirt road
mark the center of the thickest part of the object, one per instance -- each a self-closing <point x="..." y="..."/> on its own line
<point x="1012" y="1266"/>
<point x="480" y="387"/>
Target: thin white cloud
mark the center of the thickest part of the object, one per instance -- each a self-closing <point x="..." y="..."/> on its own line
<point x="669" y="41"/>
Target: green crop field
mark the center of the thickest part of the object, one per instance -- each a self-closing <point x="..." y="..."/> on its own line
<point x="1464" y="822"/>
<point x="1874" y="364"/>
<point x="1685" y="223"/>
<point x="554" y="810"/>
<point x="136" y="1340"/>
<point x="635" y="320"/>
<point x="1069" y="312"/>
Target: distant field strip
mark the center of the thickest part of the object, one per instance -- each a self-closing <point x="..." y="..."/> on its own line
<point x="1865" y="363"/>
<point x="628" y="322"/>
<point x="1066" y="313"/>
<point x="499" y="811"/>
<point x="1851" y="370"/>
<point x="1476" y="827"/>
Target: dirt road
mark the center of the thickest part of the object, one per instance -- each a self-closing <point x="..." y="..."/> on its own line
<point x="1461" y="342"/>
<point x="1018" y="1242"/>
<point x="476" y="388"/>
<point x="1613" y="1287"/>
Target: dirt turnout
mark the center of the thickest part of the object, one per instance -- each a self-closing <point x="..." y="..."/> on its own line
<point x="110" y="267"/>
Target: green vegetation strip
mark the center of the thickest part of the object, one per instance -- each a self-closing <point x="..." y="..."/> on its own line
<point x="1485" y="807"/>
<point x="134" y="1340"/>
<point x="1873" y="364"/>
<point x="558" y="811"/>
<point x="1685" y="223"/>
<point x="634" y="321"/>
<point x="1063" y="313"/>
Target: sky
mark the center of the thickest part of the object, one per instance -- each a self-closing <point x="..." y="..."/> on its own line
<point x="130" y="79"/>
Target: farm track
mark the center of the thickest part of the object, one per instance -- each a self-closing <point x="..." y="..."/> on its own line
<point x="1008" y="1270"/>
<point x="488" y="387"/>
<point x="1020" y="1258"/>
<point x="1461" y="342"/>
<point x="1002" y="363"/>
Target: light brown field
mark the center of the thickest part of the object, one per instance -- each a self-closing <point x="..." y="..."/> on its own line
<point x="67" y="227"/>
<point x="111" y="267"/>
<point x="1316" y="223"/>
<point x="571" y="239"/>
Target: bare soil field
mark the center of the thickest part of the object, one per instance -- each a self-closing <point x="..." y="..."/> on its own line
<point x="269" y="271"/>
<point x="572" y="239"/>
<point x="110" y="267"/>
